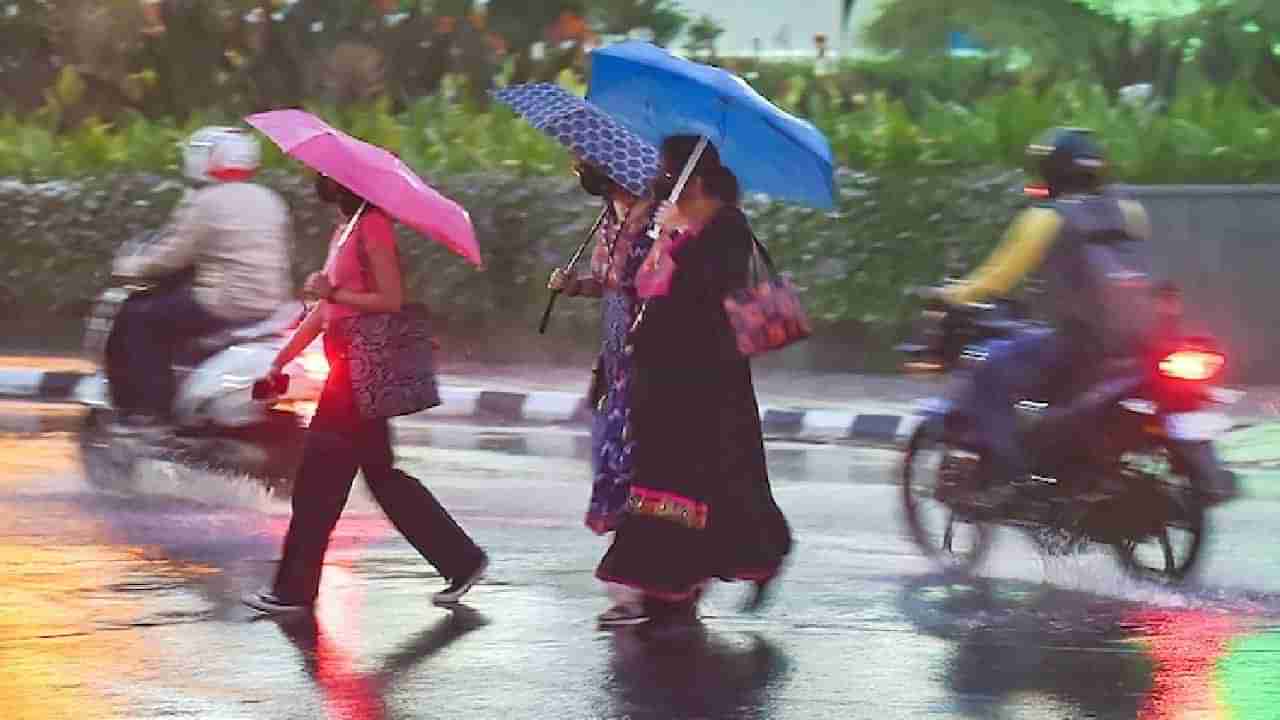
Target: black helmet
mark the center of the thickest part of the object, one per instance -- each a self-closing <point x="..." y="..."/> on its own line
<point x="1068" y="160"/>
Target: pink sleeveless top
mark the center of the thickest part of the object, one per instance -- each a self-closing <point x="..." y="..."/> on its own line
<point x="343" y="266"/>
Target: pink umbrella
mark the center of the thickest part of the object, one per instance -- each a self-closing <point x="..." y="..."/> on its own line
<point x="372" y="173"/>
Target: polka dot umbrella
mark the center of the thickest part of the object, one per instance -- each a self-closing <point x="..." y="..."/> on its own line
<point x="593" y="136"/>
<point x="587" y="131"/>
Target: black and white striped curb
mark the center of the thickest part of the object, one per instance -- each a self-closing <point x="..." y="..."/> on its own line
<point x="546" y="408"/>
<point x="787" y="460"/>
<point x="33" y="384"/>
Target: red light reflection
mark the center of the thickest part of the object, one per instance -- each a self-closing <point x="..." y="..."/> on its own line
<point x="330" y="641"/>
<point x="1185" y="646"/>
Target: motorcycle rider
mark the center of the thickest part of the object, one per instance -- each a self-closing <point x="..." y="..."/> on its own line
<point x="233" y="235"/>
<point x="1089" y="247"/>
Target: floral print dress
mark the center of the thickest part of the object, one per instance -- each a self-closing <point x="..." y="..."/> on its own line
<point x="620" y="250"/>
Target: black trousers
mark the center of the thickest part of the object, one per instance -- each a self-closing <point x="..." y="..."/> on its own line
<point x="338" y="444"/>
<point x="143" y="345"/>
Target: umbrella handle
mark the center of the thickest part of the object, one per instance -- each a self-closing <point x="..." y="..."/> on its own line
<point x="690" y="164"/>
<point x="573" y="261"/>
<point x="546" y="314"/>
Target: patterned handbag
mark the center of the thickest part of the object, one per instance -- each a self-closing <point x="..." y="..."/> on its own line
<point x="766" y="315"/>
<point x="390" y="355"/>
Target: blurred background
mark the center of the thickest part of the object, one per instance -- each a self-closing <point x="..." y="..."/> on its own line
<point x="927" y="103"/>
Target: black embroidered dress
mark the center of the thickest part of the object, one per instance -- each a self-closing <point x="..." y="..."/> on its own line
<point x="700" y="505"/>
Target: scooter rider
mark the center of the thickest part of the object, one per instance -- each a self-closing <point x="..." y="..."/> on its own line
<point x="1090" y="250"/>
<point x="234" y="235"/>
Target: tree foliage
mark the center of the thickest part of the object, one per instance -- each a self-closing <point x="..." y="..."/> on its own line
<point x="177" y="58"/>
<point x="1116" y="42"/>
<point x="703" y="34"/>
<point x="1056" y="30"/>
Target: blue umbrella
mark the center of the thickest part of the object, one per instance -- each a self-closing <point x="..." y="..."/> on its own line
<point x="587" y="131"/>
<point x="658" y="94"/>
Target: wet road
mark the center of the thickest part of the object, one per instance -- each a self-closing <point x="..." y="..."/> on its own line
<point x="126" y="606"/>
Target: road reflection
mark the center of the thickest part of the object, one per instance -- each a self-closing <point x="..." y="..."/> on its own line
<point x="1021" y="649"/>
<point x="328" y="644"/>
<point x="1185" y="647"/>
<point x="1247" y="673"/>
<point x="64" y="594"/>
<point x="82" y="575"/>
<point x="694" y="673"/>
<point x="1025" y="650"/>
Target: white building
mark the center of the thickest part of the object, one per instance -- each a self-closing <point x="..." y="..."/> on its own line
<point x="782" y="27"/>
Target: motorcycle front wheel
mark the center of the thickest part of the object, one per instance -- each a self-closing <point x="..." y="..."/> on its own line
<point x="934" y="475"/>
<point x="108" y="465"/>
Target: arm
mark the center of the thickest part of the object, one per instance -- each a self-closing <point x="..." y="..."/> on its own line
<point x="700" y="273"/>
<point x="1022" y="250"/>
<point x="719" y="260"/>
<point x="687" y="324"/>
<point x="585" y="286"/>
<point x="302" y="337"/>
<point x="175" y="250"/>
<point x="588" y="285"/>
<point x="384" y="267"/>
<point x="1136" y="220"/>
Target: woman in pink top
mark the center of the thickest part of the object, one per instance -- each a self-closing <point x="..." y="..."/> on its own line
<point x="340" y="441"/>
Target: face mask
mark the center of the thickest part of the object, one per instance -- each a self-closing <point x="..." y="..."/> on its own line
<point x="663" y="184"/>
<point x="593" y="181"/>
<point x="349" y="202"/>
<point x="326" y="189"/>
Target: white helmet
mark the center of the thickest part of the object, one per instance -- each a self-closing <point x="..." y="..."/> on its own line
<point x="215" y="149"/>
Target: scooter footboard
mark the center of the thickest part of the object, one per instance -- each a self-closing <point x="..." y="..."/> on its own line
<point x="220" y="391"/>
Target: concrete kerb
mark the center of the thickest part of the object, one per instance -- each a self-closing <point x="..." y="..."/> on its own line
<point x="555" y="408"/>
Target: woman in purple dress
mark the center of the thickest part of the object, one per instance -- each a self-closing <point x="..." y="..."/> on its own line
<point x="621" y="245"/>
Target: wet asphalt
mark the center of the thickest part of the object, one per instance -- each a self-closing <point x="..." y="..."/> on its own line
<point x="125" y="604"/>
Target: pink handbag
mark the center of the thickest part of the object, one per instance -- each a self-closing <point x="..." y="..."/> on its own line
<point x="766" y="315"/>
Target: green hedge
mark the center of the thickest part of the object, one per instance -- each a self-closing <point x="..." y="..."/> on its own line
<point x="932" y="192"/>
<point x="854" y="263"/>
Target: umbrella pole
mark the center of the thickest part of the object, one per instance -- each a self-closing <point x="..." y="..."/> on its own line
<point x="573" y="261"/>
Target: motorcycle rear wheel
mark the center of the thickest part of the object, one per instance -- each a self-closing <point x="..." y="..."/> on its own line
<point x="955" y="541"/>
<point x="1168" y="554"/>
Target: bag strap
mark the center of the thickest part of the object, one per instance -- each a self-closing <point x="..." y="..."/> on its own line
<point x="762" y="253"/>
<point x="366" y="267"/>
<point x="362" y="254"/>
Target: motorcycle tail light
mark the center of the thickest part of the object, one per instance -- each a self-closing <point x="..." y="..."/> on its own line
<point x="1193" y="365"/>
<point x="1037" y="192"/>
<point x="315" y="365"/>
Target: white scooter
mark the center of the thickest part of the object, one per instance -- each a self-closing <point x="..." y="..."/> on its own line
<point x="218" y="423"/>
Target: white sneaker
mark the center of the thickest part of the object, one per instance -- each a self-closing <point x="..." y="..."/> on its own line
<point x="265" y="601"/>
<point x="621" y="615"/>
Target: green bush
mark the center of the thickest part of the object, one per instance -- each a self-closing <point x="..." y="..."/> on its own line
<point x="1213" y="137"/>
<point x="921" y="193"/>
<point x="888" y="233"/>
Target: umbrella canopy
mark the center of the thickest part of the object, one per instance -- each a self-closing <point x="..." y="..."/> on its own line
<point x="372" y="173"/>
<point x="587" y="131"/>
<point x="658" y="94"/>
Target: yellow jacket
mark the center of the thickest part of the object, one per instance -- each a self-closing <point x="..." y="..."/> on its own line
<point x="1024" y="248"/>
